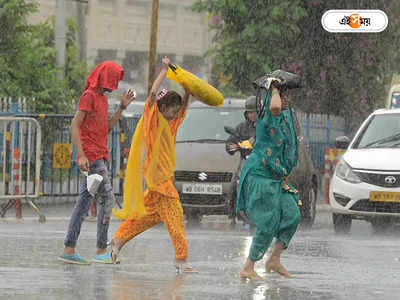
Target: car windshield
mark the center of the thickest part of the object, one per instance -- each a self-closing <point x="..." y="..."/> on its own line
<point x="207" y="124"/>
<point x="383" y="131"/>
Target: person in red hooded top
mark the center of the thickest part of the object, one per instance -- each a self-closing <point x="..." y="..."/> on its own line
<point x="89" y="131"/>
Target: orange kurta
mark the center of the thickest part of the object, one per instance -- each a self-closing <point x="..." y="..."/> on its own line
<point x="155" y="137"/>
<point x="161" y="200"/>
<point x="165" y="158"/>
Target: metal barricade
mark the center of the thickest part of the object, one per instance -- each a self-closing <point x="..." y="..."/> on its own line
<point x="20" y="163"/>
<point x="61" y="176"/>
<point x="58" y="175"/>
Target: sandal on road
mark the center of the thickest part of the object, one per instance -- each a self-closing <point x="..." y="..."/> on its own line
<point x="252" y="276"/>
<point x="184" y="268"/>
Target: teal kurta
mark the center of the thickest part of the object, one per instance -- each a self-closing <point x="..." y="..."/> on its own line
<point x="272" y="209"/>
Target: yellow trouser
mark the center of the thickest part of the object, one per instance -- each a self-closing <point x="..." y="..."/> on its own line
<point x="159" y="208"/>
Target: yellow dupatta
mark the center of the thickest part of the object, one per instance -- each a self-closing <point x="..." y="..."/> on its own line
<point x="133" y="199"/>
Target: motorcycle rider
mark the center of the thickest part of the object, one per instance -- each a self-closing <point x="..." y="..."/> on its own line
<point x="245" y="130"/>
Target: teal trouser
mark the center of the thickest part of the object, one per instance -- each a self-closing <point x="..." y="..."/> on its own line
<point x="287" y="215"/>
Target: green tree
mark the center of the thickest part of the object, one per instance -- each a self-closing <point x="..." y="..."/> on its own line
<point x="344" y="74"/>
<point x="28" y="60"/>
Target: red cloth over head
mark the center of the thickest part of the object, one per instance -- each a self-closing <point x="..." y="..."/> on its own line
<point x="94" y="128"/>
<point x="105" y="75"/>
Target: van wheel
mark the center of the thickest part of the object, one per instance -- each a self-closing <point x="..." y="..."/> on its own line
<point x="193" y="218"/>
<point x="341" y="223"/>
<point x="309" y="207"/>
<point x="380" y="225"/>
<point x="232" y="209"/>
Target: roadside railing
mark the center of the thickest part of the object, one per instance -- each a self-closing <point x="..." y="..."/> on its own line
<point x="58" y="175"/>
<point x="20" y="163"/>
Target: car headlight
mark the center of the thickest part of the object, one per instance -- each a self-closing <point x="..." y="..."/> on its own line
<point x="344" y="171"/>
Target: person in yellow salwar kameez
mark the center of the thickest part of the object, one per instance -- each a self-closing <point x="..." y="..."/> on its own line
<point x="163" y="113"/>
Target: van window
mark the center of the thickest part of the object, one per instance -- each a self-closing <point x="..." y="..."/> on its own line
<point x="382" y="131"/>
<point x="208" y="123"/>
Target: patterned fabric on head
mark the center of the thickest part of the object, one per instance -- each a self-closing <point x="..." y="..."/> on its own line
<point x="162" y="93"/>
<point x="105" y="75"/>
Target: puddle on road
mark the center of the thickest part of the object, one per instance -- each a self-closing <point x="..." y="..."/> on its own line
<point x="322" y="268"/>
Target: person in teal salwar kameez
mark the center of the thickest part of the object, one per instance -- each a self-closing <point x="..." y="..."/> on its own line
<point x="270" y="203"/>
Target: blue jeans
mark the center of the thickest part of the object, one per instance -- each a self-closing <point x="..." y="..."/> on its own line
<point x="106" y="203"/>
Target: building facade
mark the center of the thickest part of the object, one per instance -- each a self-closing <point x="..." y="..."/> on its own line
<point x="119" y="30"/>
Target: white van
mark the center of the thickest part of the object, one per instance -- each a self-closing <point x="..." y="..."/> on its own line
<point x="205" y="174"/>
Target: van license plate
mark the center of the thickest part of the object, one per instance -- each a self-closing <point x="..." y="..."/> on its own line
<point x="198" y="188"/>
<point x="384" y="196"/>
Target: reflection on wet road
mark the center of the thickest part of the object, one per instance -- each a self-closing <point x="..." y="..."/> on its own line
<point x="324" y="266"/>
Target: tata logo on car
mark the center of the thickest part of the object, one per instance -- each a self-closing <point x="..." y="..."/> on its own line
<point x="390" y="179"/>
<point x="362" y="20"/>
<point x="202" y="176"/>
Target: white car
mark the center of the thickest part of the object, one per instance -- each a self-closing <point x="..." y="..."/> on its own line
<point x="366" y="181"/>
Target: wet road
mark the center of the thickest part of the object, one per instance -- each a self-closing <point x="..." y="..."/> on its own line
<point x="361" y="265"/>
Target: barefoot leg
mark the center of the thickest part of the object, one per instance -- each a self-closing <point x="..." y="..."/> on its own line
<point x="247" y="271"/>
<point x="273" y="263"/>
<point x="116" y="245"/>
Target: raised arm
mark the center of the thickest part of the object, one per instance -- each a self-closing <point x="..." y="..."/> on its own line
<point x="185" y="103"/>
<point x="275" y="106"/>
<point x="127" y="97"/>
<point x="158" y="81"/>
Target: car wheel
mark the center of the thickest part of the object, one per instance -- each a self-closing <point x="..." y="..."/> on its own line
<point x="193" y="218"/>
<point x="341" y="223"/>
<point x="232" y="208"/>
<point x="380" y="225"/>
<point x="309" y="207"/>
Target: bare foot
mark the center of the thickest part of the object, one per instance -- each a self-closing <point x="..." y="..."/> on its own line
<point x="116" y="245"/>
<point x="278" y="268"/>
<point x="114" y="256"/>
<point x="252" y="275"/>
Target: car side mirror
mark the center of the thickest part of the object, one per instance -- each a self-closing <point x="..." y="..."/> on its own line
<point x="342" y="142"/>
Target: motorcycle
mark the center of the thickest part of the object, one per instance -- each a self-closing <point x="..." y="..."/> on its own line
<point x="245" y="147"/>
